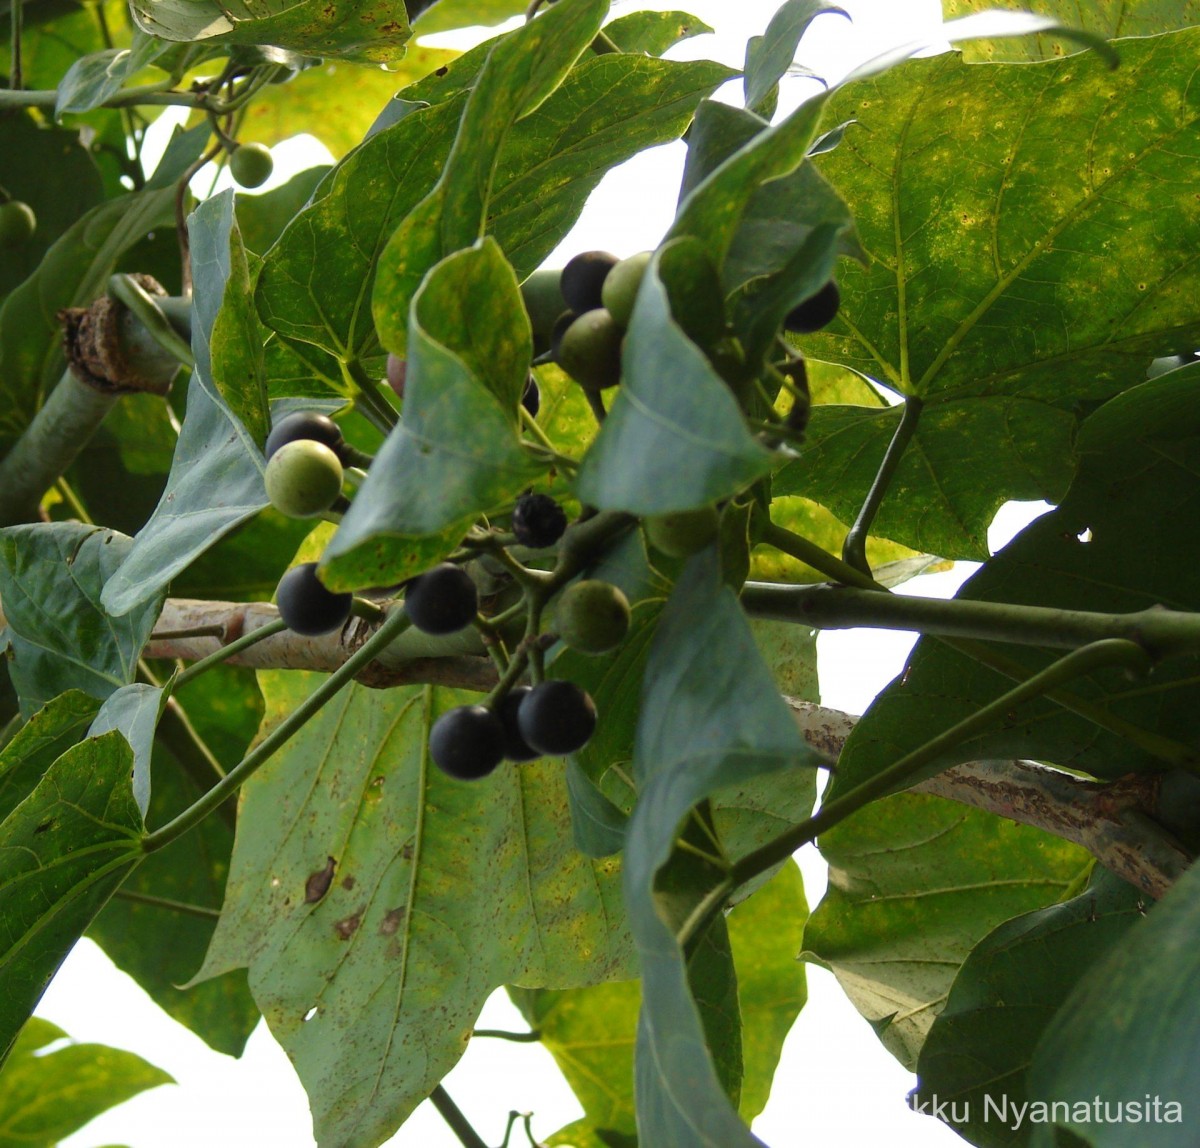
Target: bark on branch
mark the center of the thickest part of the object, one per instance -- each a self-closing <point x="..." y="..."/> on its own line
<point x="1111" y="820"/>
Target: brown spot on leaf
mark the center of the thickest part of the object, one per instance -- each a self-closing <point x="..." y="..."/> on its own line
<point x="391" y="921"/>
<point x="406" y="851"/>
<point x="348" y="882"/>
<point x="348" y="926"/>
<point x="318" y="883"/>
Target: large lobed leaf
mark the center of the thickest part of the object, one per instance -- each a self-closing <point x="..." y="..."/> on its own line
<point x="377" y="902"/>
<point x="1023" y="271"/>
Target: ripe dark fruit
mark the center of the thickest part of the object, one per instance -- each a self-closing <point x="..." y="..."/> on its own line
<point x="17" y="223"/>
<point x="557" y="717"/>
<point x="251" y="164"/>
<point x="531" y="399"/>
<point x="621" y="287"/>
<point x="305" y="424"/>
<point x="538" y="521"/>
<point x="467" y="742"/>
<point x="516" y="748"/>
<point x="683" y="534"/>
<point x="442" y="600"/>
<point x="592" y="616"/>
<point x="560" y="329"/>
<point x="303" y="478"/>
<point x="306" y="606"/>
<point x="815" y="312"/>
<point x="590" y="351"/>
<point x="583" y="279"/>
<point x="397" y="374"/>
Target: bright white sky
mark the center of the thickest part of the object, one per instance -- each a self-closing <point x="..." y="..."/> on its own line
<point x="836" y="1086"/>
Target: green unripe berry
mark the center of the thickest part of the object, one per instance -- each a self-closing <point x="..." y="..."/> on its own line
<point x="590" y="350"/>
<point x="17" y="223"/>
<point x="303" y="478"/>
<point x="251" y="164"/>
<point x="621" y="287"/>
<point x="685" y="533"/>
<point x="592" y="616"/>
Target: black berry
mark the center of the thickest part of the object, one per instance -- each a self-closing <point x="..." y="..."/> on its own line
<point x="306" y="424"/>
<point x="467" y="742"/>
<point x="815" y="312"/>
<point x="583" y="279"/>
<point x="538" y="521"/>
<point x="442" y="600"/>
<point x="557" y="717"/>
<point x="516" y="748"/>
<point x="306" y="606"/>
<point x="560" y="329"/>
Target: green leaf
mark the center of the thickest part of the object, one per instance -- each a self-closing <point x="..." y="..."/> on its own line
<point x="215" y="482"/>
<point x="772" y="54"/>
<point x="63" y="851"/>
<point x="51" y="582"/>
<point x="1006" y="993"/>
<point x="1128" y="1030"/>
<point x="469" y="347"/>
<point x="56" y="177"/>
<point x="711" y="718"/>
<point x="381" y="914"/>
<point x="591" y="1031"/>
<point x="45" y="737"/>
<point x="1140" y="450"/>
<point x="654" y="32"/>
<point x="675" y="438"/>
<point x="134" y="710"/>
<point x="915" y="883"/>
<point x="337" y="101"/>
<point x="375" y="30"/>
<point x="1100" y="17"/>
<point x="522" y="69"/>
<point x="72" y="274"/>
<point x="48" y="1093"/>
<point x="94" y="78"/>
<point x="444" y="15"/>
<point x="1027" y="286"/>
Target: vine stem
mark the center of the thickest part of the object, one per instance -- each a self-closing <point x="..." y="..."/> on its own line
<point x="15" y="78"/>
<point x="228" y="651"/>
<point x="1161" y="632"/>
<point x="1089" y="658"/>
<point x="236" y="777"/>
<point x="453" y="1116"/>
<point x="854" y="549"/>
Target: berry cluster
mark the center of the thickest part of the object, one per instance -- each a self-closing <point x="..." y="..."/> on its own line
<point x="307" y="457"/>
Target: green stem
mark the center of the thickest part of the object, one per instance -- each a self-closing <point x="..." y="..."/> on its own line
<point x="1079" y="662"/>
<point x="1162" y="633"/>
<point x="854" y="549"/>
<point x="367" y="396"/>
<point x="452" y="1115"/>
<point x="232" y="781"/>
<point x="164" y="903"/>
<point x="817" y="557"/>
<point x="227" y="651"/>
<point x="503" y="1034"/>
<point x="150" y="94"/>
<point x="15" y="78"/>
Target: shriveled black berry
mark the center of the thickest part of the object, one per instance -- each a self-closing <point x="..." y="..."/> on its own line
<point x="583" y="279"/>
<point x="557" y="717"/>
<point x="306" y="606"/>
<point x="442" y="600"/>
<point x="516" y="748"/>
<point x="815" y="312"/>
<point x="531" y="399"/>
<point x="467" y="742"/>
<point x="538" y="521"/>
<point x="306" y="424"/>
